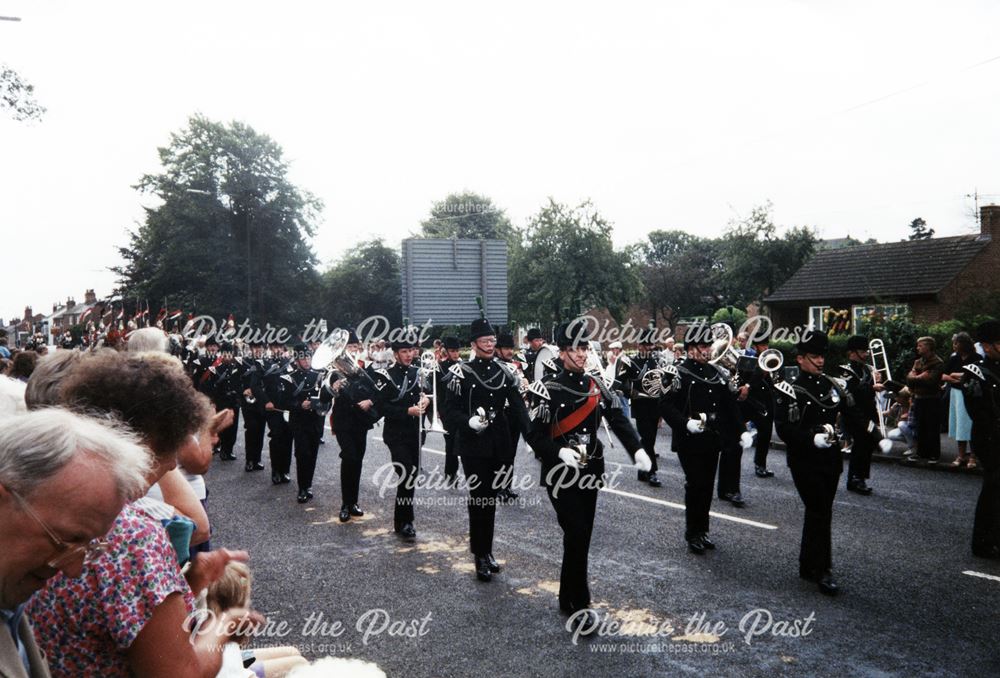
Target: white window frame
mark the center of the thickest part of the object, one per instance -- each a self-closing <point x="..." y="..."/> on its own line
<point x="885" y="310"/>
<point x="820" y="311"/>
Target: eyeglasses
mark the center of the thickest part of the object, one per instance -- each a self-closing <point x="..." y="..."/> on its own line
<point x="66" y="552"/>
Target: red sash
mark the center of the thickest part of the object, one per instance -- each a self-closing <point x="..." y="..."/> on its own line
<point x="574" y="418"/>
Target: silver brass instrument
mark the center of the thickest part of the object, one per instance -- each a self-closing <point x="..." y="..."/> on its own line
<point x="428" y="372"/>
<point x="545" y="359"/>
<point x="771" y="361"/>
<point x="724" y="354"/>
<point x="880" y="364"/>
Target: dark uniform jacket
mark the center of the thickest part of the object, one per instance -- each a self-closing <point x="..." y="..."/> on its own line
<point x="489" y="384"/>
<point x="307" y="385"/>
<point x="759" y="403"/>
<point x="861" y="386"/>
<point x="981" y="391"/>
<point x="347" y="416"/>
<point x="253" y="379"/>
<point x="398" y="390"/>
<point x="555" y="425"/>
<point x="817" y="400"/>
<point x="701" y="388"/>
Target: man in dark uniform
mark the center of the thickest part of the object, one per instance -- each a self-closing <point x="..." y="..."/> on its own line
<point x="565" y="416"/>
<point x="254" y="398"/>
<point x="646" y="407"/>
<point x="702" y="412"/>
<point x="505" y="354"/>
<point x="277" y="381"/>
<point x="535" y="342"/>
<point x="478" y="393"/>
<point x="758" y="409"/>
<point x="862" y="427"/>
<point x="805" y="417"/>
<point x="307" y="401"/>
<point x="403" y="404"/>
<point x="354" y="414"/>
<point x="450" y="345"/>
<point x="223" y="384"/>
<point x="981" y="390"/>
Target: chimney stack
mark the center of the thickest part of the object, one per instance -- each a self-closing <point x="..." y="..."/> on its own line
<point x="89" y="297"/>
<point x="70" y="303"/>
<point x="27" y="313"/>
<point x="989" y="221"/>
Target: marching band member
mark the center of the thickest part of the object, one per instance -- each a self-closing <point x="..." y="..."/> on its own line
<point x="505" y="354"/>
<point x="703" y="414"/>
<point x="566" y="412"/>
<point x="646" y="408"/>
<point x="477" y="395"/>
<point x="403" y="404"/>
<point x="805" y="418"/>
<point x="254" y="417"/>
<point x="535" y="342"/>
<point x="223" y="384"/>
<point x="307" y="402"/>
<point x="450" y="348"/>
<point x="981" y="389"/>
<point x="758" y="409"/>
<point x="862" y="427"/>
<point x="276" y="380"/>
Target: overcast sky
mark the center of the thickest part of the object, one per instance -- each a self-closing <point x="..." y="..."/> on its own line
<point x="852" y="117"/>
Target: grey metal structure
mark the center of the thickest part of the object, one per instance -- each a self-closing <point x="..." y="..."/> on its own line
<point x="441" y="278"/>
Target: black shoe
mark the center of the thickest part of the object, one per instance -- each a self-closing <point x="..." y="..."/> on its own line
<point x="762" y="472"/>
<point x="322" y="441"/>
<point x="585" y="622"/>
<point x="227" y="456"/>
<point x="285" y="479"/>
<point x="808" y="575"/>
<point x="696" y="545"/>
<point x="492" y="563"/>
<point x="345" y="515"/>
<point x="304" y="496"/>
<point x="643" y="476"/>
<point x="253" y="466"/>
<point x="734" y="498"/>
<point x="653" y="480"/>
<point x="276" y="478"/>
<point x="483" y="572"/>
<point x="407" y="531"/>
<point x="858" y="485"/>
<point x="355" y="511"/>
<point x="827" y="584"/>
<point x="990" y="552"/>
<point x="707" y="543"/>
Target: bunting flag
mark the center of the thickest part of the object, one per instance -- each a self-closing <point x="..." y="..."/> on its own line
<point x="174" y="315"/>
<point x="86" y="314"/>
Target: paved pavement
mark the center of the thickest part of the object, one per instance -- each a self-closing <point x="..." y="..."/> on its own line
<point x="914" y="600"/>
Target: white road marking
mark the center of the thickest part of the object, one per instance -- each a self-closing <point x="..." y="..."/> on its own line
<point x="973" y="573"/>
<point x="661" y="502"/>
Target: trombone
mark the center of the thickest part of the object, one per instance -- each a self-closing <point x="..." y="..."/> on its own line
<point x="428" y="370"/>
<point x="880" y="364"/>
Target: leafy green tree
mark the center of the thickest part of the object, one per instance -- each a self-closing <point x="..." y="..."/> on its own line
<point x="17" y="96"/>
<point x="680" y="274"/>
<point x="568" y="264"/>
<point x="365" y="282"/>
<point x="756" y="261"/>
<point x="231" y="233"/>
<point x="468" y="215"/>
<point x="919" y="230"/>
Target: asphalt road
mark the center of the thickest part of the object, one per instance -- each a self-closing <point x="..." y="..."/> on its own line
<point x="908" y="605"/>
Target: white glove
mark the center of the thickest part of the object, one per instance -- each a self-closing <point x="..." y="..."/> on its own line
<point x="642" y="461"/>
<point x="885" y="445"/>
<point x="570" y="457"/>
<point x="746" y="440"/>
<point x="821" y="441"/>
<point x="477" y="424"/>
<point x="694" y="426"/>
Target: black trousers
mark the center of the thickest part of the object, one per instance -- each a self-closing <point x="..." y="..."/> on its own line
<point x="699" y="475"/>
<point x="986" y="528"/>
<point x="253" y="433"/>
<point x="450" y="458"/>
<point x="575" y="509"/>
<point x="816" y="482"/>
<point x="928" y="414"/>
<point x="730" y="462"/>
<point x="646" y="413"/>
<point x="765" y="429"/>
<point x="280" y="444"/>
<point x="307" y="429"/>
<point x="507" y="469"/>
<point x="406" y="462"/>
<point x="227" y="437"/>
<point x="352" y="451"/>
<point x="482" y="500"/>
<point x="860" y="466"/>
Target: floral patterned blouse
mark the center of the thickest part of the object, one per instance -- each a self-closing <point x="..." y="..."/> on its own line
<point x="86" y="625"/>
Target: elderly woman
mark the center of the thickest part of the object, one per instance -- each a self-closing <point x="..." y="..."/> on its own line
<point x="126" y="613"/>
<point x="959" y="422"/>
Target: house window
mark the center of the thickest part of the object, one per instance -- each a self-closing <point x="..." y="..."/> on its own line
<point x="816" y="321"/>
<point x="887" y="311"/>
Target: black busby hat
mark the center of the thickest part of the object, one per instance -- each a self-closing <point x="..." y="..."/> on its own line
<point x="534" y="333"/>
<point x="226" y="347"/>
<point x="352" y="336"/>
<point x="698" y="334"/>
<point x="857" y="343"/>
<point x="989" y="332"/>
<point x="211" y="340"/>
<point x="481" y="327"/>
<point x="451" y="343"/>
<point x="301" y="349"/>
<point x="569" y="335"/>
<point x="505" y="340"/>
<point x="812" y="342"/>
